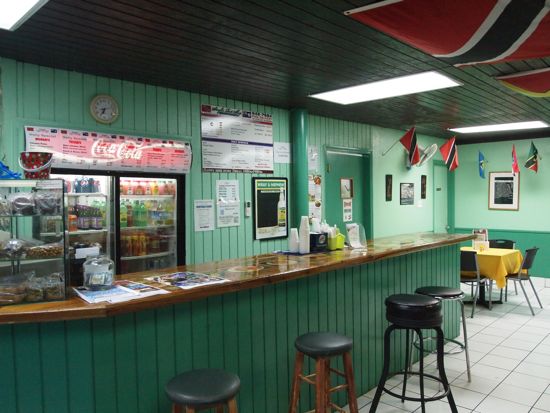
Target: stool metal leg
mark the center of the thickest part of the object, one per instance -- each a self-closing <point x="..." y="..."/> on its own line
<point x="295" y="393"/>
<point x="421" y="377"/>
<point x="441" y="367"/>
<point x="466" y="349"/>
<point x="385" y="370"/>
<point x="408" y="363"/>
<point x="348" y="369"/>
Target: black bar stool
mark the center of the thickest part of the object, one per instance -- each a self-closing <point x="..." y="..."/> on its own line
<point x="452" y="294"/>
<point x="414" y="312"/>
<point x="203" y="389"/>
<point x="321" y="347"/>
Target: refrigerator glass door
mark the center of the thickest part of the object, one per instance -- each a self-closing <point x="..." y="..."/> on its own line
<point x="147" y="223"/>
<point x="89" y="222"/>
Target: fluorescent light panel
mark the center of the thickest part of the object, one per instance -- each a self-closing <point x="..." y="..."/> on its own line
<point x="13" y="13"/>
<point x="501" y="127"/>
<point x="399" y="86"/>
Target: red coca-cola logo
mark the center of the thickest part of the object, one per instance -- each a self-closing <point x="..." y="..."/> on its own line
<point x="121" y="151"/>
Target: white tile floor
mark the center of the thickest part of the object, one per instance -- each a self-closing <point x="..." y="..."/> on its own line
<point x="510" y="363"/>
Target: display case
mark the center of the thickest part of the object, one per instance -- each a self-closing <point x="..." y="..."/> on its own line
<point x="33" y="253"/>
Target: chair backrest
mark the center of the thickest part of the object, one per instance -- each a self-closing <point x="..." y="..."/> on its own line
<point x="502" y="243"/>
<point x="529" y="258"/>
<point x="468" y="261"/>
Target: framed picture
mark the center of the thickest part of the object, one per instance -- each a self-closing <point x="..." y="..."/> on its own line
<point x="389" y="180"/>
<point x="423" y="186"/>
<point x="270" y="197"/>
<point x="504" y="191"/>
<point x="406" y="194"/>
<point x="346" y="188"/>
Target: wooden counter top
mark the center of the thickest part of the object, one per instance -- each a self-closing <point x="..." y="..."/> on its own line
<point x="244" y="273"/>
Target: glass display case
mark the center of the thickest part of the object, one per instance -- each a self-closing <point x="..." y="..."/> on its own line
<point x="32" y="241"/>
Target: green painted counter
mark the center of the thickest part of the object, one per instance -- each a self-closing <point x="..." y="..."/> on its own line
<point x="121" y="363"/>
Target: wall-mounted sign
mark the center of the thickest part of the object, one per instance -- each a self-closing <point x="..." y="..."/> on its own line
<point x="270" y="207"/>
<point x="235" y="140"/>
<point x="76" y="149"/>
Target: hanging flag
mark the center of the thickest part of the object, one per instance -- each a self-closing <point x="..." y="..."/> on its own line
<point x="515" y="165"/>
<point x="408" y="140"/>
<point x="534" y="83"/>
<point x="450" y="154"/>
<point x="533" y="160"/>
<point x="489" y="31"/>
<point x="482" y="163"/>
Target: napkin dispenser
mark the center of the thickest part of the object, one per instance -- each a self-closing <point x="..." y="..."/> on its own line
<point x="318" y="241"/>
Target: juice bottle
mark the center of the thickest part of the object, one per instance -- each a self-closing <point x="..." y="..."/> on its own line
<point x="162" y="188"/>
<point x="136" y="247"/>
<point x="142" y="244"/>
<point x="169" y="213"/>
<point x="147" y="188"/>
<point x="128" y="246"/>
<point x="143" y="214"/>
<point x="154" y="188"/>
<point x="130" y="215"/>
<point x="123" y="215"/>
<point x="140" y="190"/>
<point x="131" y="188"/>
<point x="124" y="187"/>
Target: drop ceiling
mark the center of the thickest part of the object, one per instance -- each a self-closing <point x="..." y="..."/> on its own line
<point x="268" y="52"/>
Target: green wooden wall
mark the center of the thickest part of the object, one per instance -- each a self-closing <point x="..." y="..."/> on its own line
<point x="121" y="364"/>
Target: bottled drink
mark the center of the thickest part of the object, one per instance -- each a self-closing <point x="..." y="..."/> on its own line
<point x="142" y="215"/>
<point x="130" y="214"/>
<point x="139" y="189"/>
<point x="147" y="188"/>
<point x="123" y="215"/>
<point x="142" y="244"/>
<point x="136" y="246"/>
<point x="124" y="187"/>
<point x="131" y="189"/>
<point x="154" y="188"/>
<point x="162" y="188"/>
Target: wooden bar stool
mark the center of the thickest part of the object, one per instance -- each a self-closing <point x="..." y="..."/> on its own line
<point x="321" y="347"/>
<point x="203" y="389"/>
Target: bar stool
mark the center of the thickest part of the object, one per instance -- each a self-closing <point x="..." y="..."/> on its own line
<point x="321" y="347"/>
<point x="414" y="312"/>
<point x="203" y="389"/>
<point x="451" y="294"/>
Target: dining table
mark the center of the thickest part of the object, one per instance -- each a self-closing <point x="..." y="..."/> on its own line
<point x="495" y="264"/>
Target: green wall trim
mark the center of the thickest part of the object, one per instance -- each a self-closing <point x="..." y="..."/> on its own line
<point x="121" y="364"/>
<point x="299" y="134"/>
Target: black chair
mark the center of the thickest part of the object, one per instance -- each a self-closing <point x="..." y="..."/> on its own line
<point x="469" y="274"/>
<point x="520" y="276"/>
<point x="502" y="243"/>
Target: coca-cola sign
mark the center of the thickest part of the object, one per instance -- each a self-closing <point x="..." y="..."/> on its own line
<point x="93" y="150"/>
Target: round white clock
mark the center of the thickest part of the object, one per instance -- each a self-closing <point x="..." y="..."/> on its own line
<point x="104" y="109"/>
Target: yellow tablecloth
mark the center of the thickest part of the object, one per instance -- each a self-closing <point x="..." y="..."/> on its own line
<point x="496" y="263"/>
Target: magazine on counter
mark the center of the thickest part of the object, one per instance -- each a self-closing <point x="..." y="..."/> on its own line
<point x="187" y="280"/>
<point x="123" y="290"/>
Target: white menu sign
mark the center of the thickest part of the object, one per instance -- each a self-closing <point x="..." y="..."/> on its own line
<point x="235" y="140"/>
<point x="75" y="149"/>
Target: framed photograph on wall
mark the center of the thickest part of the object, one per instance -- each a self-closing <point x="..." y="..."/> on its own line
<point x="423" y="186"/>
<point x="504" y="191"/>
<point x="270" y="207"/>
<point x="346" y="188"/>
<point x="406" y="194"/>
<point x="389" y="180"/>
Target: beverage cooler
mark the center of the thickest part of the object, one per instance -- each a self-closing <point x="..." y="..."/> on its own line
<point x="132" y="219"/>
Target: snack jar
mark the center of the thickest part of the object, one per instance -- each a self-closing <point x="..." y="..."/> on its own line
<point x="99" y="272"/>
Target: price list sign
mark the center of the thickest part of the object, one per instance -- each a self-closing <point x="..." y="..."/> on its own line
<point x="76" y="149"/>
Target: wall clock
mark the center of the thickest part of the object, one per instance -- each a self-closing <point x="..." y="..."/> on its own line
<point x="104" y="109"/>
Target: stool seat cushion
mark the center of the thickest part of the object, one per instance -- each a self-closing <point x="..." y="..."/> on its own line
<point x="323" y="344"/>
<point x="203" y="387"/>
<point x="413" y="310"/>
<point x="440" y="292"/>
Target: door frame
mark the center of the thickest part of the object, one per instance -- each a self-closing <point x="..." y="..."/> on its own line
<point x="366" y="154"/>
<point x="450" y="197"/>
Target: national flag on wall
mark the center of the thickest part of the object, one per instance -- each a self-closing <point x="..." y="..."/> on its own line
<point x="515" y="165"/>
<point x="450" y="154"/>
<point x="465" y="31"/>
<point x="482" y="163"/>
<point x="408" y="140"/>
<point x="533" y="160"/>
<point x="534" y="83"/>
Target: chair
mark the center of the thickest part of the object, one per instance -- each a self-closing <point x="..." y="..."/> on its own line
<point x="469" y="274"/>
<point x="524" y="276"/>
<point x="502" y="243"/>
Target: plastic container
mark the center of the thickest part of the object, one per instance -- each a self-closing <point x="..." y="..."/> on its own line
<point x="99" y="273"/>
<point x="337" y="242"/>
<point x="13" y="289"/>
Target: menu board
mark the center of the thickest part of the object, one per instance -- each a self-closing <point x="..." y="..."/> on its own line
<point x="235" y="140"/>
<point x="75" y="149"/>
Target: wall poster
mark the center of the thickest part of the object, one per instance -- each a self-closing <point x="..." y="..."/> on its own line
<point x="504" y="191"/>
<point x="76" y="149"/>
<point x="406" y="194"/>
<point x="235" y="140"/>
<point x="315" y="197"/>
<point x="389" y="180"/>
<point x="228" y="205"/>
<point x="270" y="207"/>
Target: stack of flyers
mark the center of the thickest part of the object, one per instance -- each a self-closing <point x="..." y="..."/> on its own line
<point x="142" y="290"/>
<point x="123" y="290"/>
<point x="187" y="280"/>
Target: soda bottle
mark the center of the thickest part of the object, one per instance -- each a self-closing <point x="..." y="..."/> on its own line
<point x="123" y="215"/>
<point x="142" y="214"/>
<point x="131" y="190"/>
<point x="139" y="189"/>
<point x="148" y="190"/>
<point x="124" y="187"/>
<point x="136" y="250"/>
<point x="162" y="188"/>
<point x="130" y="215"/>
<point x="154" y="188"/>
<point x="142" y="244"/>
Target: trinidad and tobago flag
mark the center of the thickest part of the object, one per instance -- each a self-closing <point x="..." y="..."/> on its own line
<point x="534" y="83"/>
<point x="464" y="31"/>
<point x="515" y="165"/>
<point x="408" y="140"/>
<point x="450" y="154"/>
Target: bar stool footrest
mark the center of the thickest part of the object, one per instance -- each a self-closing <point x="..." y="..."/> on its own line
<point x="460" y="344"/>
<point x="418" y="399"/>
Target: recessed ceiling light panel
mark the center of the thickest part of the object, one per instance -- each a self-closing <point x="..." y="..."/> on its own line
<point x="398" y="86"/>
<point x="14" y="13"/>
<point x="501" y="127"/>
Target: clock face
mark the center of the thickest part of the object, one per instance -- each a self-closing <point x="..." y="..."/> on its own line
<point x="104" y="109"/>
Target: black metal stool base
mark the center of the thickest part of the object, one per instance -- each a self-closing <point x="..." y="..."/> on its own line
<point x="417" y="399"/>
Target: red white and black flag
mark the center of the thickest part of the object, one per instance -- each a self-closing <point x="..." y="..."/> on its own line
<point x="465" y="31"/>
<point x="408" y="140"/>
<point x="450" y="154"/>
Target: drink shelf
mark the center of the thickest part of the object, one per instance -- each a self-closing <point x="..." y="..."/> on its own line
<point x="30" y="260"/>
<point x="146" y="197"/>
<point x="147" y="227"/>
<point x="88" y="231"/>
<point x="87" y="194"/>
<point x="140" y="257"/>
<point x="57" y="216"/>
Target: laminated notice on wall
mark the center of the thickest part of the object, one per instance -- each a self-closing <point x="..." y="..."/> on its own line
<point x="228" y="204"/>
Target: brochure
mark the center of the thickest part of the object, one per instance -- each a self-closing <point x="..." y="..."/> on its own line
<point x="187" y="280"/>
<point x="123" y="290"/>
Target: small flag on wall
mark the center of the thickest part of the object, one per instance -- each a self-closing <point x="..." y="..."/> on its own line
<point x="408" y="140"/>
<point x="515" y="166"/>
<point x="482" y="163"/>
<point x="450" y="154"/>
<point x="533" y="160"/>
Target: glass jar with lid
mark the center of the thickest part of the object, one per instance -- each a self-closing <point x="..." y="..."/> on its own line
<point x="98" y="272"/>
